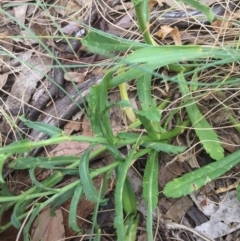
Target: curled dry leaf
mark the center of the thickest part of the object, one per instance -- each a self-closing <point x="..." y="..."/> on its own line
<point x="174" y="32"/>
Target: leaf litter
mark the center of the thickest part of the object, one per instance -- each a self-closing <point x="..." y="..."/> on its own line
<point x="30" y="67"/>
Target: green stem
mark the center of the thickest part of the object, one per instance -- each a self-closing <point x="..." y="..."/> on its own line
<point x="124" y="96"/>
<point x="142" y="13"/>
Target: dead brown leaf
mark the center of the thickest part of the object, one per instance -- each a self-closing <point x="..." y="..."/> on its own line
<point x="69" y="148"/>
<point x="74" y="76"/>
<point x="179" y="208"/>
<point x="86" y="127"/>
<point x="47" y="227"/>
<point x="174" y="32"/>
<point x="70" y="127"/>
<point x="170" y="172"/>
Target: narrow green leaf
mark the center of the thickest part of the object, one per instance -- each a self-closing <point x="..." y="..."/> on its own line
<point x="72" y="219"/>
<point x="150" y="189"/>
<point x="39" y="184"/>
<point x="43" y="162"/>
<point x="193" y="181"/>
<point x="128" y="135"/>
<point x="149" y="115"/>
<point x="131" y="225"/>
<point x="150" y="180"/>
<point x="203" y="129"/>
<point x="98" y="109"/>
<point x="102" y="43"/>
<point x="144" y="90"/>
<point x="148" y="60"/>
<point x="95" y="212"/>
<point x="118" y="197"/>
<point x="3" y="158"/>
<point x="129" y="200"/>
<point x="169" y="54"/>
<point x="41" y="127"/>
<point x="142" y="13"/>
<point x="17" y="147"/>
<point x="201" y="7"/>
<point x="61" y="199"/>
<point x="167" y="148"/>
<point x="88" y="186"/>
<point x="19" y="209"/>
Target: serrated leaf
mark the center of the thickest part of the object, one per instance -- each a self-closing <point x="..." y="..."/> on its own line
<point x="88" y="186"/>
<point x="193" y="181"/>
<point x="169" y="54"/>
<point x="118" y="197"/>
<point x="149" y="115"/>
<point x="72" y="220"/>
<point x="150" y="180"/>
<point x="207" y="136"/>
<point x="41" y="127"/>
<point x="144" y="90"/>
<point x="102" y="43"/>
<point x="98" y="109"/>
<point x="129" y="200"/>
<point x="150" y="189"/>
